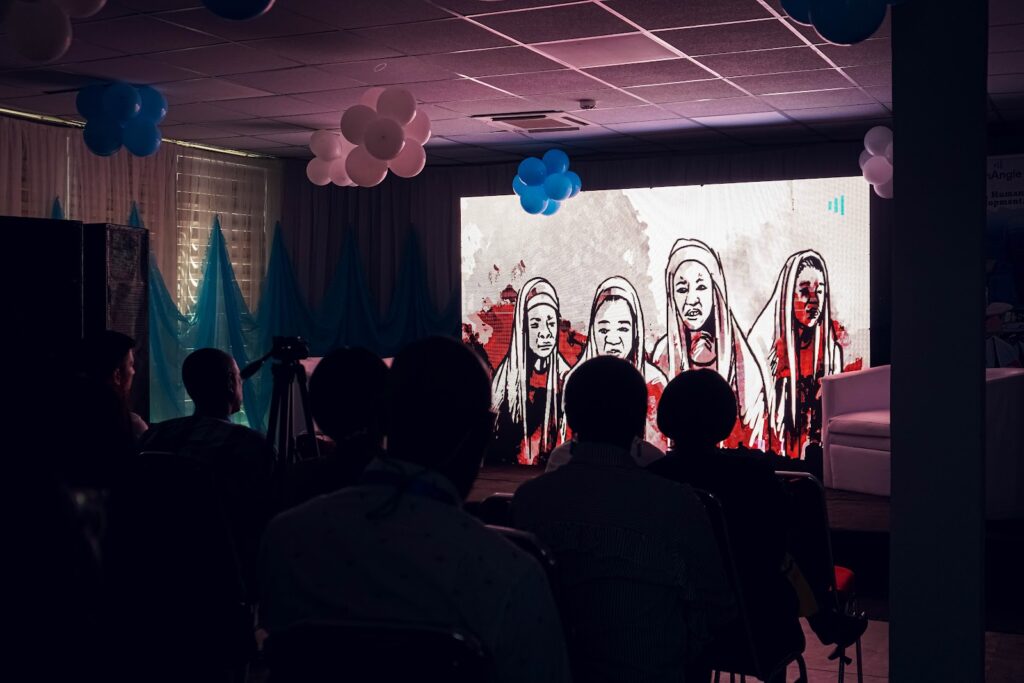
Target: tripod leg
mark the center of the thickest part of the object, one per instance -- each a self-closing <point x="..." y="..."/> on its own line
<point x="304" y="401"/>
<point x="275" y="406"/>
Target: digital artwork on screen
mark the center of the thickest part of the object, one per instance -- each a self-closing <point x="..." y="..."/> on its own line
<point x="767" y="283"/>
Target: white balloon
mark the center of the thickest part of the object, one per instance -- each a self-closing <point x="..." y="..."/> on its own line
<point x="884" y="190"/>
<point x="384" y="139"/>
<point x="38" y="31"/>
<point x="326" y="144"/>
<point x="318" y="171"/>
<point x="410" y="161"/>
<point x="418" y="130"/>
<point x="364" y="169"/>
<point x="876" y="139"/>
<point x="878" y="170"/>
<point x="397" y="104"/>
<point x="80" y="9"/>
<point x="339" y="176"/>
<point x="864" y="156"/>
<point x="355" y="121"/>
<point x="371" y="96"/>
<point x="888" y="152"/>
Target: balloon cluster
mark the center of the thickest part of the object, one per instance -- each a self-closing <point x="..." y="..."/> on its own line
<point x="121" y="114"/>
<point x="40" y="30"/>
<point x="239" y="10"/>
<point x="543" y="184"/>
<point x="840" y="22"/>
<point x="331" y="151"/>
<point x="876" y="160"/>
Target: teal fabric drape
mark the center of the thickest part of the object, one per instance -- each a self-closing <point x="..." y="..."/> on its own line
<point x="56" y="210"/>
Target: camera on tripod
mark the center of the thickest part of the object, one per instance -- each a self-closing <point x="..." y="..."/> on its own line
<point x="289" y="349"/>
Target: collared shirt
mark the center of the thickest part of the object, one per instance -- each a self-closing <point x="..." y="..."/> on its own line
<point x="370" y="552"/>
<point x="642" y="583"/>
<point x="643" y="452"/>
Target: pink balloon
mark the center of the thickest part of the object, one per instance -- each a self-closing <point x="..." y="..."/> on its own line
<point x="876" y="139"/>
<point x="355" y="121"/>
<point x="418" y="130"/>
<point x="318" y="171"/>
<point x="365" y="170"/>
<point x="326" y="144"/>
<point x="80" y="9"/>
<point x="410" y="161"/>
<point x="339" y="176"/>
<point x="384" y="139"/>
<point x="371" y="96"/>
<point x="884" y="190"/>
<point x="397" y="104"/>
<point x="877" y="170"/>
<point x="864" y="156"/>
<point x="39" y="31"/>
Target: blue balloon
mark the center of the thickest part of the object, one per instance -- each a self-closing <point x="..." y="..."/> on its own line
<point x="89" y="101"/>
<point x="154" y="104"/>
<point x="518" y="186"/>
<point x="121" y="102"/>
<point x="577" y="184"/>
<point x="532" y="171"/>
<point x="142" y="137"/>
<point x="533" y="199"/>
<point x="845" y="22"/>
<point x="556" y="161"/>
<point x="238" y="10"/>
<point x="558" y="186"/>
<point x="798" y="11"/>
<point x="102" y="136"/>
<point x="552" y="208"/>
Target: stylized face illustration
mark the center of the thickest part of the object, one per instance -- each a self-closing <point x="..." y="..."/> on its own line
<point x="542" y="328"/>
<point x="809" y="296"/>
<point x="613" y="329"/>
<point x="692" y="294"/>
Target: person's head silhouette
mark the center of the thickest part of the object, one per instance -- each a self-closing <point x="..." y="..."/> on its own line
<point x="213" y="383"/>
<point x="439" y="409"/>
<point x="109" y="358"/>
<point x="346" y="396"/>
<point x="606" y="402"/>
<point x="697" y="410"/>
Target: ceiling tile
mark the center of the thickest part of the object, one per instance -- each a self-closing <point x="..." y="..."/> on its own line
<point x="543" y="82"/>
<point x="1005" y="12"/>
<point x="200" y="112"/>
<point x="58" y="104"/>
<point x="432" y="37"/>
<point x="328" y="120"/>
<point x="463" y="126"/>
<point x="363" y="14"/>
<point x="1006" y="63"/>
<point x="557" y="23"/>
<point x="223" y="60"/>
<point x="570" y="101"/>
<point x="471" y="7"/>
<point x="741" y="37"/>
<point x="278" y="105"/>
<point x="754" y="119"/>
<point x="765" y="61"/>
<point x="501" y="105"/>
<point x="262" y="127"/>
<point x="625" y="115"/>
<point x="207" y="90"/>
<point x="249" y="144"/>
<point x="193" y="132"/>
<point x="1005" y="38"/>
<point x="850" y="113"/>
<point x="492" y="62"/>
<point x="817" y="99"/>
<point x="299" y="80"/>
<point x="1008" y="83"/>
<point x="655" y="14"/>
<point x="686" y="92"/>
<point x="794" y="81"/>
<point x="140" y="34"/>
<point x="41" y="81"/>
<point x="667" y="126"/>
<point x="80" y="51"/>
<point x="762" y="134"/>
<point x="389" y="71"/>
<point x="876" y="51"/>
<point x="882" y="93"/>
<point x="324" y="48"/>
<point x="294" y="138"/>
<point x="874" y="74"/>
<point x="732" y="105"/>
<point x="444" y="91"/>
<point x="134" y="69"/>
<point x="607" y="51"/>
<point x="336" y="100"/>
<point x="437" y="113"/>
<point x="8" y="92"/>
<point x="278" y="22"/>
<point x="651" y="73"/>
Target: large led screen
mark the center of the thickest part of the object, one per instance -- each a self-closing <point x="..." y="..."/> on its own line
<point x="766" y="283"/>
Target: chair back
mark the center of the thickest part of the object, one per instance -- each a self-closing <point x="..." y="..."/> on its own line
<point x="808" y="492"/>
<point x="495" y="509"/>
<point x="536" y="549"/>
<point x="736" y="648"/>
<point x="382" y="652"/>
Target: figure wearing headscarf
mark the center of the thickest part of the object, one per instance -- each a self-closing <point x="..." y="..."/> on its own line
<point x="703" y="333"/>
<point x="617" y="329"/>
<point x="527" y="385"/>
<point x="795" y="338"/>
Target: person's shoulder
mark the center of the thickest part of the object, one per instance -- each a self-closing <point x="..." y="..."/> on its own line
<point x="160" y="430"/>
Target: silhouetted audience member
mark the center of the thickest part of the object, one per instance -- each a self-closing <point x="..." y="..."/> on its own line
<point x="346" y="397"/>
<point x="398" y="546"/>
<point x="109" y="358"/>
<point x="642" y="582"/>
<point x="697" y="411"/>
<point x="239" y="457"/>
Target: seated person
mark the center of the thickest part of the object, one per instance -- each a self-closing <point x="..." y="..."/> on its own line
<point x="109" y="358"/>
<point x="241" y="457"/>
<point x="644" y="452"/>
<point x="642" y="585"/>
<point x="397" y="546"/>
<point x="346" y="398"/>
<point x="697" y="411"/>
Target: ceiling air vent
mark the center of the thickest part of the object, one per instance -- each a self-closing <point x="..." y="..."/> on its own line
<point x="534" y="121"/>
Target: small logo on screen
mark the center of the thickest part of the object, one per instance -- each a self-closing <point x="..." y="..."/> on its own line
<point x="838" y="205"/>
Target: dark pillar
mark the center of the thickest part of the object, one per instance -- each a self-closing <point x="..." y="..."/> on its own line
<point x="937" y="577"/>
